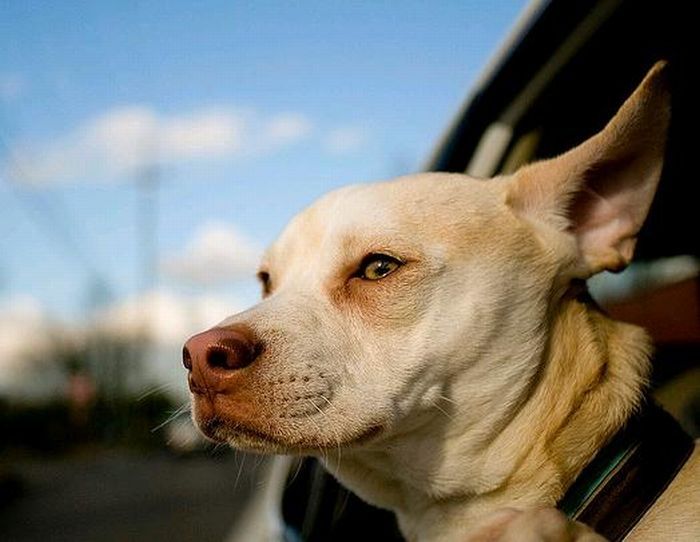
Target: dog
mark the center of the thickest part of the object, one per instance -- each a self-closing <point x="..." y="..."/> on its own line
<point x="430" y="338"/>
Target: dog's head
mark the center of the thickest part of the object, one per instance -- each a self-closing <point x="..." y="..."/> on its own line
<point x="380" y="299"/>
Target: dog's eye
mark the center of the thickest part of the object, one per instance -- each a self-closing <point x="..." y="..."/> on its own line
<point x="264" y="278"/>
<point x="378" y="266"/>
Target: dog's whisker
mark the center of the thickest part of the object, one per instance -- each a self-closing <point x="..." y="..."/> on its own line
<point x="259" y="459"/>
<point x="310" y="418"/>
<point x="325" y="399"/>
<point x="241" y="462"/>
<point x="442" y="410"/>
<point x="316" y="407"/>
<point x="447" y="399"/>
<point x="216" y="447"/>
<point x="155" y="389"/>
<point x="297" y="470"/>
<point x="335" y="433"/>
<point x="337" y="436"/>
<point x="176" y="414"/>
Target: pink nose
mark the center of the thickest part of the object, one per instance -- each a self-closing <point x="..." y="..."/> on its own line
<point x="213" y="355"/>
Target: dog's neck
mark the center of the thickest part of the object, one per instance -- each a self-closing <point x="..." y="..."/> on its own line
<point x="591" y="376"/>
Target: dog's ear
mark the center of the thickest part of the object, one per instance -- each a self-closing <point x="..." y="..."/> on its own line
<point x="601" y="190"/>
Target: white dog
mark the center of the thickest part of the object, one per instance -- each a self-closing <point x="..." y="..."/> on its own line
<point x="431" y="338"/>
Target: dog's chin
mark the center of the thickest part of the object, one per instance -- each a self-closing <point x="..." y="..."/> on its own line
<point x="250" y="439"/>
<point x="238" y="435"/>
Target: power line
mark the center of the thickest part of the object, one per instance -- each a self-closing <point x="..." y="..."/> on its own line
<point x="51" y="219"/>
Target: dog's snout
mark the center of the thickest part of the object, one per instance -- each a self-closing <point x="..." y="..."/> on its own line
<point x="220" y="350"/>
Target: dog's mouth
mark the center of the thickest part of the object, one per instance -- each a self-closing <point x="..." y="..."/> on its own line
<point x="295" y="414"/>
<point x="244" y="436"/>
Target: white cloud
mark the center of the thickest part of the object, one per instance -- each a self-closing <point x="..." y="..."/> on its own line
<point x="207" y="133"/>
<point x="119" y="142"/>
<point x="345" y="140"/>
<point x="217" y="253"/>
<point x="288" y="128"/>
<point x="11" y="86"/>
<point x="163" y="317"/>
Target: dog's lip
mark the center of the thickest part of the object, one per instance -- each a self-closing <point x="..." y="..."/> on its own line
<point x="203" y="390"/>
<point x="234" y="432"/>
<point x="200" y="387"/>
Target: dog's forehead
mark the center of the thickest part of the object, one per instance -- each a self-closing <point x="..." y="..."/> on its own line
<point x="416" y="209"/>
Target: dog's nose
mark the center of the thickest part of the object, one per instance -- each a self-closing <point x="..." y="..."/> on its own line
<point x="220" y="349"/>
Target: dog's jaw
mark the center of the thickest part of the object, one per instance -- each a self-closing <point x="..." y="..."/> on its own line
<point x="576" y="407"/>
<point x="222" y="429"/>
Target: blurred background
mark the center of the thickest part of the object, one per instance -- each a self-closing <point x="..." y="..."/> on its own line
<point x="150" y="150"/>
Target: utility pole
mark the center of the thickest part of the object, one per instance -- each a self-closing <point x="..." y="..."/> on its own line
<point x="148" y="184"/>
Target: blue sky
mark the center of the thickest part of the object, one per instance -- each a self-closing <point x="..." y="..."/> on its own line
<point x="257" y="108"/>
